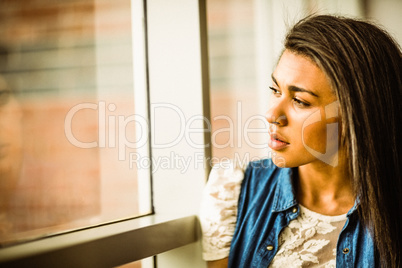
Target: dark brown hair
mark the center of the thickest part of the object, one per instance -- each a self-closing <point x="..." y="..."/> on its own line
<point x="363" y="64"/>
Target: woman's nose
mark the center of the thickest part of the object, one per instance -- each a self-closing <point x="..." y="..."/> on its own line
<point x="276" y="114"/>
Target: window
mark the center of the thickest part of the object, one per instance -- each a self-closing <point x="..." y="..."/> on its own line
<point x="239" y="128"/>
<point x="73" y="119"/>
<point x="176" y="78"/>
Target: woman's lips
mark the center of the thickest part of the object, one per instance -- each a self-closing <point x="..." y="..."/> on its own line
<point x="276" y="142"/>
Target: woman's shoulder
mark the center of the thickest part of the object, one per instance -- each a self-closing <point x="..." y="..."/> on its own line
<point x="231" y="174"/>
<point x="225" y="177"/>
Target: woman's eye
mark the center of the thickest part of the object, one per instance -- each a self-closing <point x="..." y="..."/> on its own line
<point x="274" y="91"/>
<point x="300" y="103"/>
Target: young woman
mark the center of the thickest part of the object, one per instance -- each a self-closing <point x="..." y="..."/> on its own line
<point x="331" y="196"/>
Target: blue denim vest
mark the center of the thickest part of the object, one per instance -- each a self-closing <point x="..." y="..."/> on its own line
<point x="267" y="204"/>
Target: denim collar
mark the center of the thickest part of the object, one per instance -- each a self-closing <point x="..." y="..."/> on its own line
<point x="354" y="208"/>
<point x="285" y="194"/>
<point x="285" y="197"/>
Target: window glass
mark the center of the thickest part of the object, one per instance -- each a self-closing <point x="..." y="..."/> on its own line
<point x="238" y="123"/>
<point x="68" y="120"/>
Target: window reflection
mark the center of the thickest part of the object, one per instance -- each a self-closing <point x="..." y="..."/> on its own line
<point x="10" y="152"/>
<point x="237" y="122"/>
<point x="56" y="56"/>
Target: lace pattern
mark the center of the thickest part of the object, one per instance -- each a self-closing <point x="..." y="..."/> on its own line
<point x="309" y="241"/>
<point x="218" y="210"/>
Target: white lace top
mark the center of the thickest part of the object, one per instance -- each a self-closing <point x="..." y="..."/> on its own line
<point x="219" y="210"/>
<point x="309" y="240"/>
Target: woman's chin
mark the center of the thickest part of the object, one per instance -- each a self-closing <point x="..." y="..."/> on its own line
<point x="279" y="161"/>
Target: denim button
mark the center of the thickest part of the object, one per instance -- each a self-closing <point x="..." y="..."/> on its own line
<point x="345" y="251"/>
<point x="294" y="210"/>
<point x="270" y="247"/>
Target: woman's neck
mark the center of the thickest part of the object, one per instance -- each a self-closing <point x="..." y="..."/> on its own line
<point x="324" y="189"/>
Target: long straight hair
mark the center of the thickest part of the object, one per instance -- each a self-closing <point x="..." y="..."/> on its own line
<point x="364" y="66"/>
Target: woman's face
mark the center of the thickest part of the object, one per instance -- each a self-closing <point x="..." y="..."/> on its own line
<point x="303" y="114"/>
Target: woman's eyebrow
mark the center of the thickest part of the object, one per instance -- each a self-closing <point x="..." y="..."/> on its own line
<point x="295" y="88"/>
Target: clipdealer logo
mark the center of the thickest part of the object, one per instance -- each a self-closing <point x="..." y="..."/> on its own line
<point x="191" y="129"/>
<point x="330" y="156"/>
<point x="107" y="138"/>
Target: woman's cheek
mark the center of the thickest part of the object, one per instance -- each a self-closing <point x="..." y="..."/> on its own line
<point x="314" y="137"/>
<point x="313" y="132"/>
